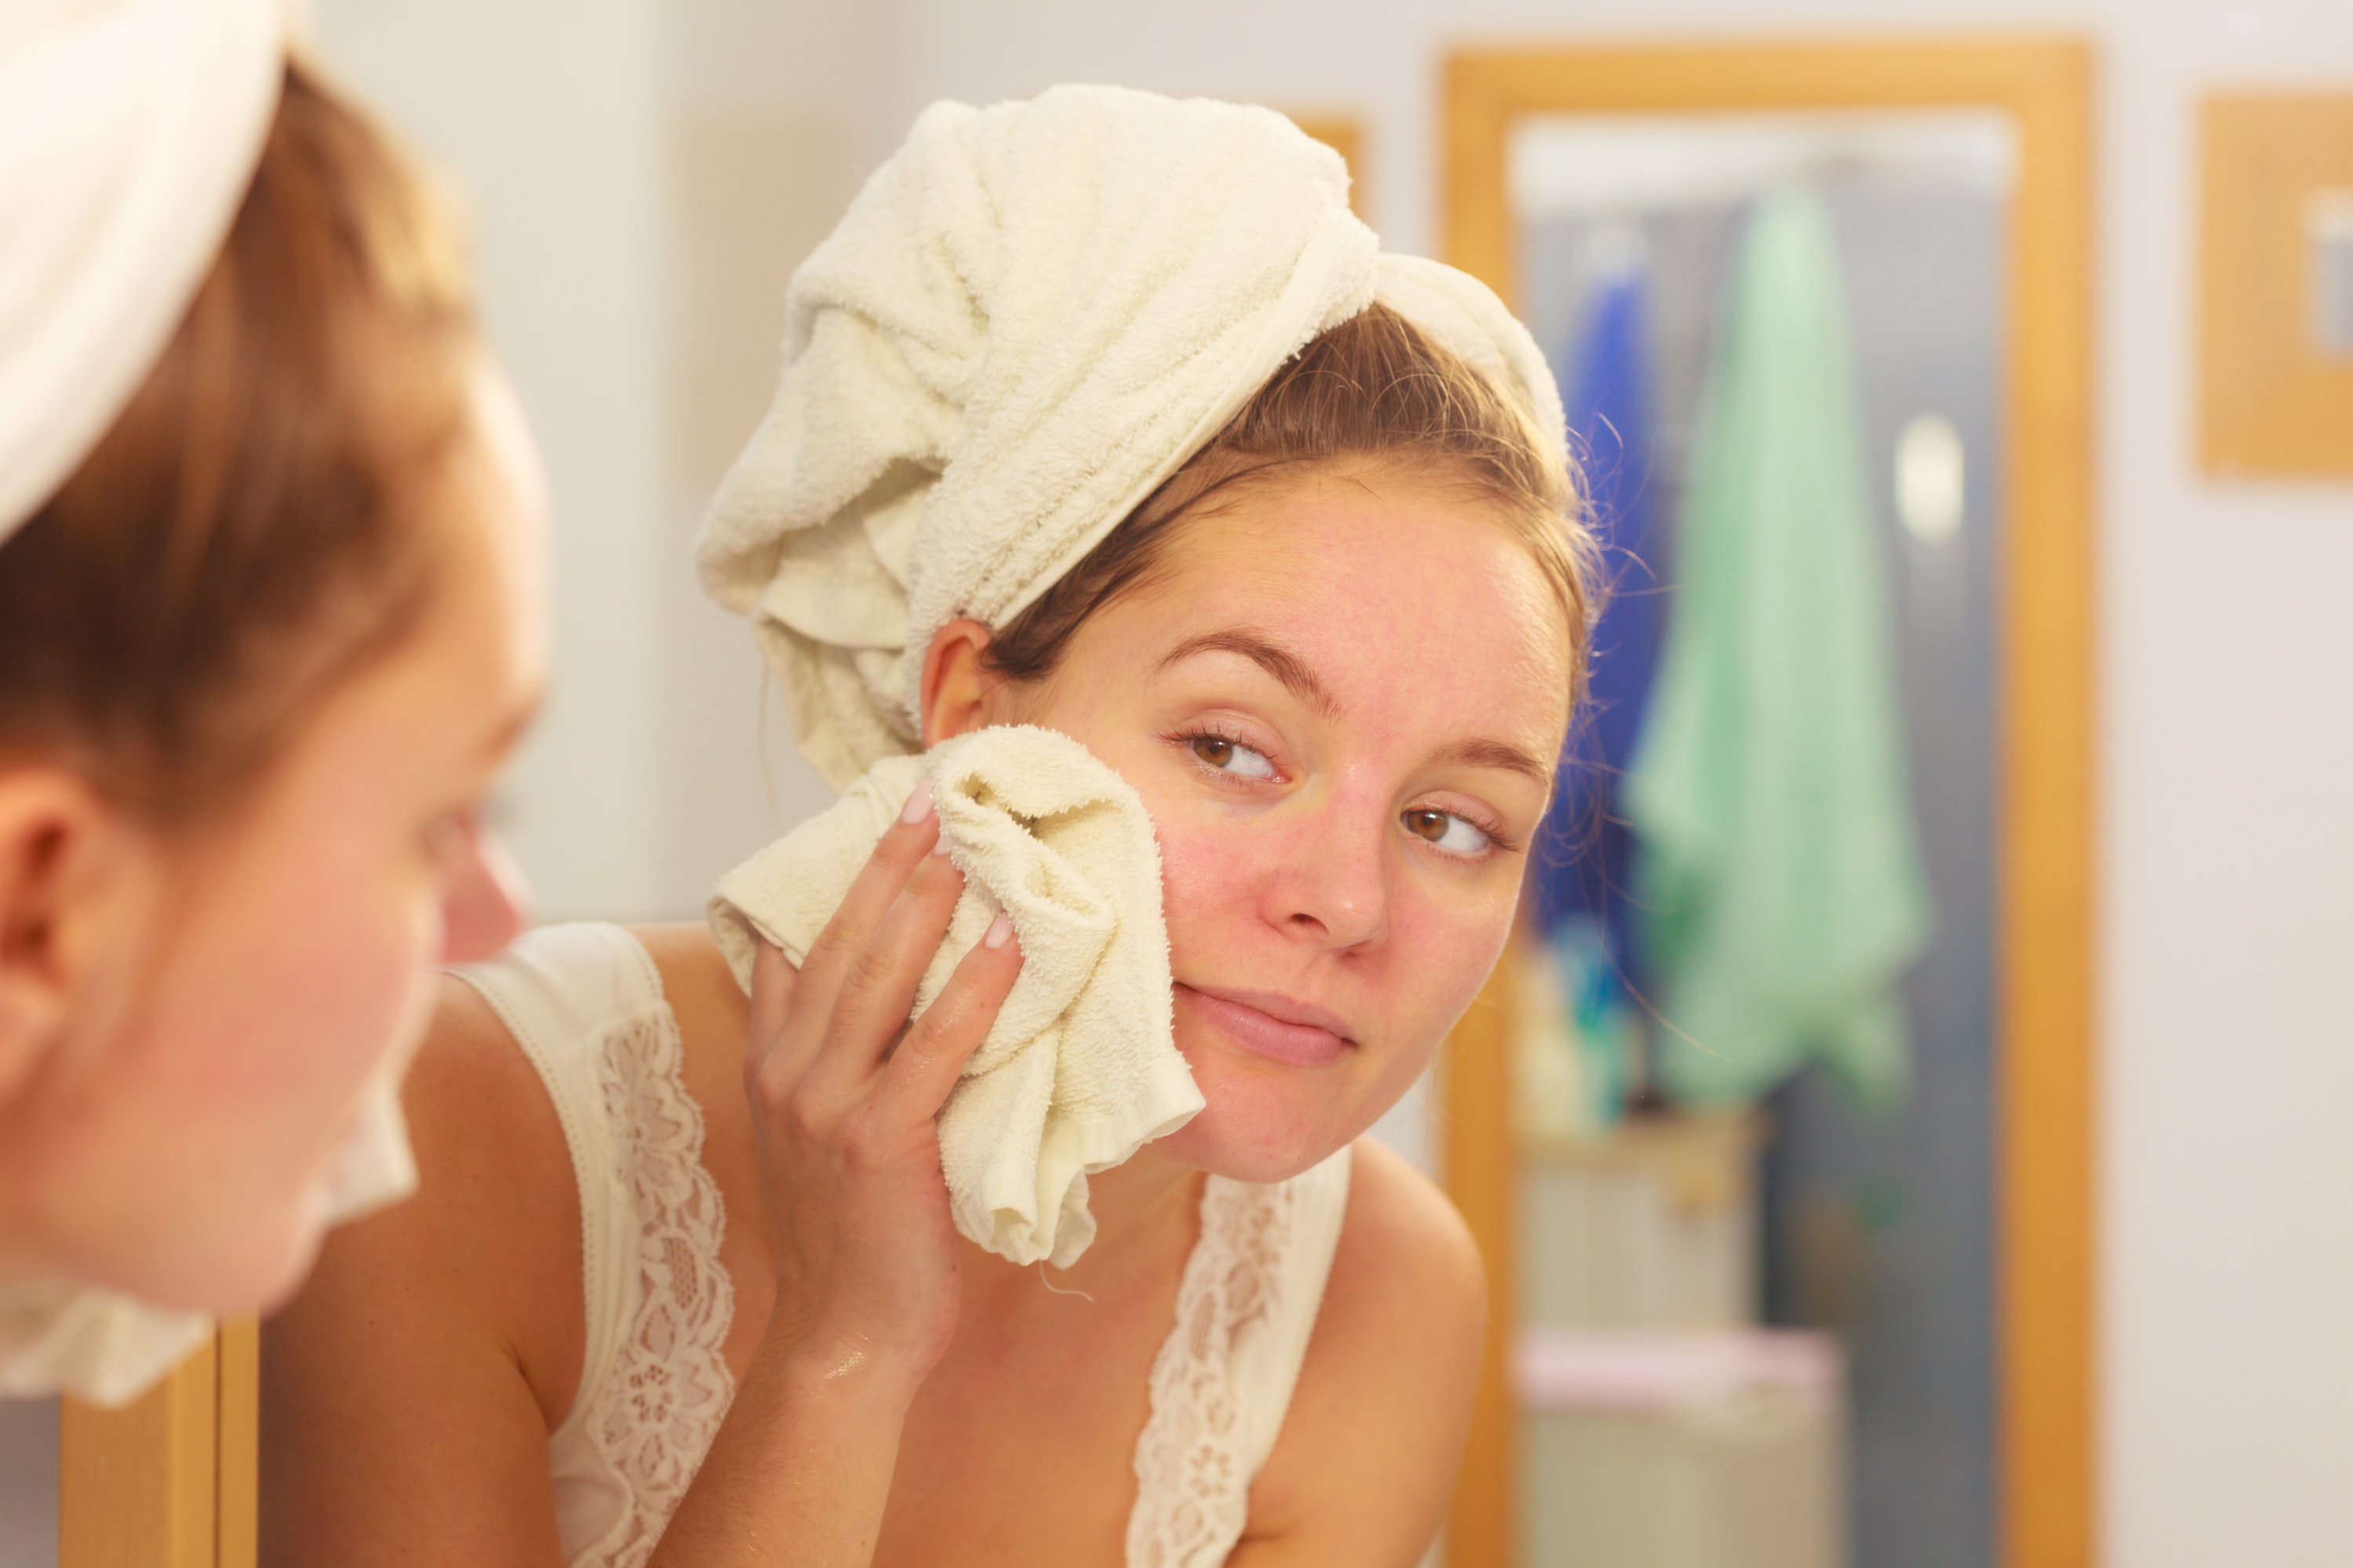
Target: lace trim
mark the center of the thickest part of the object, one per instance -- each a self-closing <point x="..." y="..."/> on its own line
<point x="668" y="1387"/>
<point x="1193" y="1477"/>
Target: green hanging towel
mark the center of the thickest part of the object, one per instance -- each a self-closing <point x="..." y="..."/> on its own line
<point x="1776" y="860"/>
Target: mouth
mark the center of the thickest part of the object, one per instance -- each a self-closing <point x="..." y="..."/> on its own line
<point x="1269" y="1026"/>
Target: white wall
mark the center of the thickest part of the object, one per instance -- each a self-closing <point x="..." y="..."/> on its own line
<point x="625" y="283"/>
<point x="641" y="178"/>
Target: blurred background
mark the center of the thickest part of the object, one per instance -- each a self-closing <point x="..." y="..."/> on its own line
<point x="642" y="176"/>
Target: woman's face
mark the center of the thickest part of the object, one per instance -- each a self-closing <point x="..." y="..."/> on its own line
<point x="1341" y="702"/>
<point x="283" y="961"/>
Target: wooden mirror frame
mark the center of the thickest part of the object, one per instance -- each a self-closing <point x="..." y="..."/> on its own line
<point x="172" y="1479"/>
<point x="2046" y="1348"/>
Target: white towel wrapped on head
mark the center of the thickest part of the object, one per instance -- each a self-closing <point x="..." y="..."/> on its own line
<point x="129" y="131"/>
<point x="1032" y="315"/>
<point x="1082" y="1066"/>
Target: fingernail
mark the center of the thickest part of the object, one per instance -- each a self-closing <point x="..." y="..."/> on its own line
<point x="1000" y="931"/>
<point x="919" y="804"/>
<point x="940" y="845"/>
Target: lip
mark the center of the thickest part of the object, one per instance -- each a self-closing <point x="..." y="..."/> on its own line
<point x="1271" y="1025"/>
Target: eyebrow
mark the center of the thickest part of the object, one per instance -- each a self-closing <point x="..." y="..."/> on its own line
<point x="1498" y="754"/>
<point x="1301" y="680"/>
<point x="1279" y="662"/>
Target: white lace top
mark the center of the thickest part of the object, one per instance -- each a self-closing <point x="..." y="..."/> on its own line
<point x="585" y="1004"/>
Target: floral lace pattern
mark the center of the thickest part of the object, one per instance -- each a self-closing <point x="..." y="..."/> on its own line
<point x="668" y="1386"/>
<point x="1193" y="1473"/>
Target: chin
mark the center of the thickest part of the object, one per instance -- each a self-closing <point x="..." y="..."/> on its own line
<point x="281" y="1284"/>
<point x="256" y="1267"/>
<point x="1264" y="1122"/>
<point x="265" y="1267"/>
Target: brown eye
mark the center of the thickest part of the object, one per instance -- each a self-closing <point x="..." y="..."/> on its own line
<point x="1447" y="831"/>
<point x="1230" y="757"/>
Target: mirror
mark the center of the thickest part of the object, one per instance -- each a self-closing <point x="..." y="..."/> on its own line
<point x="1754" y="1313"/>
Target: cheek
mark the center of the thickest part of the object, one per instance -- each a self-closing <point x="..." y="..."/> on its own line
<point x="1207" y="872"/>
<point x="316" y="967"/>
<point x="1449" y="951"/>
<point x="278" y="990"/>
<point x="345" y="972"/>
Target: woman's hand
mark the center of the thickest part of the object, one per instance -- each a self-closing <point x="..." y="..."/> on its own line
<point x="844" y="1094"/>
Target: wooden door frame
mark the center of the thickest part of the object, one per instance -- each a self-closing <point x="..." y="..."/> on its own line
<point x="2045" y="1294"/>
<point x="171" y="1479"/>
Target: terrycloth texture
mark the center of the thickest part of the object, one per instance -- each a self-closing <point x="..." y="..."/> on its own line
<point x="60" y="1336"/>
<point x="1082" y="1067"/>
<point x="129" y="130"/>
<point x="1032" y="315"/>
<point x="1768" y="791"/>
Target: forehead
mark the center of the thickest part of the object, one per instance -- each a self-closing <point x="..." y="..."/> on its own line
<point x="1399" y="590"/>
<point x="477" y="658"/>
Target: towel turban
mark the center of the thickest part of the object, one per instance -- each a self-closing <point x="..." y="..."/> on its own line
<point x="129" y="130"/>
<point x="1031" y="316"/>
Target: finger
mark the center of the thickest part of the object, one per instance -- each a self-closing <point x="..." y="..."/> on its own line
<point x="878" y="989"/>
<point x="773" y="977"/>
<point x="768" y="1073"/>
<point x="871" y="893"/>
<point x="927" y="1064"/>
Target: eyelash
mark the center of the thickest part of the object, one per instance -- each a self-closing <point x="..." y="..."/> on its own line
<point x="1499" y="842"/>
<point x="1186" y="739"/>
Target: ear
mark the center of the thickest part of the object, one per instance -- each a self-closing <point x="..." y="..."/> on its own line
<point x="960" y="691"/>
<point x="69" y="869"/>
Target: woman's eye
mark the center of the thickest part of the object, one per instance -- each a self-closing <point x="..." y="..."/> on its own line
<point x="1448" y="831"/>
<point x="1232" y="757"/>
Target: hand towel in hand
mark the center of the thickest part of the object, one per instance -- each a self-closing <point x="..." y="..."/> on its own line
<point x="1082" y="1067"/>
<point x="1032" y="315"/>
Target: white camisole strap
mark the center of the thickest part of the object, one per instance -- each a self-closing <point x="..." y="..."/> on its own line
<point x="586" y="1004"/>
<point x="1221" y="1384"/>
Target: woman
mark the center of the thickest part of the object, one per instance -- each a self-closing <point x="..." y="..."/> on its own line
<point x="1332" y="652"/>
<point x="269" y="623"/>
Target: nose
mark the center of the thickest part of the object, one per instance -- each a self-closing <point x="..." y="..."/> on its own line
<point x="1329" y="883"/>
<point x="486" y="901"/>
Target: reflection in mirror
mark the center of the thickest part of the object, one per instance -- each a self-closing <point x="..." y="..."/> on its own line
<point x="2328" y="233"/>
<point x="1757" y="1284"/>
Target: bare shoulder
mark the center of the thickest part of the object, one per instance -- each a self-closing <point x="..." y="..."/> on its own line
<point x="1368" y="1449"/>
<point x="702" y="989"/>
<point x="712" y="1015"/>
<point x="1403" y="1248"/>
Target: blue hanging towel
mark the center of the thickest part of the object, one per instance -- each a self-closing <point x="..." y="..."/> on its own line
<point x="1584" y="873"/>
<point x="1779" y="869"/>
